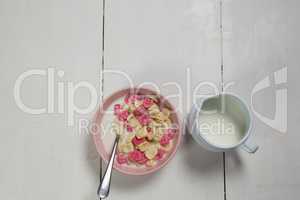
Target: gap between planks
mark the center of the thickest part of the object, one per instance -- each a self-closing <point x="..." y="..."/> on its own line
<point x="222" y="88"/>
<point x="102" y="76"/>
<point x="221" y="69"/>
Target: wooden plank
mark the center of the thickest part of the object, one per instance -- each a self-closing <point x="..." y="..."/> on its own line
<point x="157" y="42"/>
<point x="260" y="41"/>
<point x="41" y="156"/>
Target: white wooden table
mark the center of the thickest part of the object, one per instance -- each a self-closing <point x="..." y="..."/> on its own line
<point x="160" y="41"/>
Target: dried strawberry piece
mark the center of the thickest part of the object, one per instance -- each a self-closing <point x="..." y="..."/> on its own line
<point x="139" y="111"/>
<point x="144" y="120"/>
<point x="126" y="99"/>
<point x="160" y="154"/>
<point x="129" y="99"/>
<point x="122" y="158"/>
<point x="136" y="141"/>
<point x="122" y="116"/>
<point x="149" y="129"/>
<point x="170" y="133"/>
<point x="136" y="113"/>
<point x="143" y="159"/>
<point x="147" y="102"/>
<point x="136" y="155"/>
<point x="117" y="108"/>
<point x="135" y="97"/>
<point x="129" y="128"/>
<point x="164" y="140"/>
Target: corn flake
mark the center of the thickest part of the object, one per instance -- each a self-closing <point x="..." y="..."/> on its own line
<point x="151" y="151"/>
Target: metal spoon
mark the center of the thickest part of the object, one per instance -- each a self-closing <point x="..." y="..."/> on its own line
<point x="103" y="189"/>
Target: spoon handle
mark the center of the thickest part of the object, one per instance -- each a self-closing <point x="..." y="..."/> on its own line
<point x="103" y="189"/>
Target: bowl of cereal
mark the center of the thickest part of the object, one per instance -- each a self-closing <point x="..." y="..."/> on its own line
<point x="148" y="127"/>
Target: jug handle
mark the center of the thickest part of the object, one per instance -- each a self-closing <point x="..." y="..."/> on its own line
<point x="249" y="147"/>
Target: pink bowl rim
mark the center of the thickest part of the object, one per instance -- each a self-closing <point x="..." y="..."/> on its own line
<point x="96" y="134"/>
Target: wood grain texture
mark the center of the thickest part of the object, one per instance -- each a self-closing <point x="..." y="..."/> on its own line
<point x="260" y="39"/>
<point x="40" y="156"/>
<point x="159" y="42"/>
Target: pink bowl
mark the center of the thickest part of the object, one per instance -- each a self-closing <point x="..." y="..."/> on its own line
<point x="105" y="153"/>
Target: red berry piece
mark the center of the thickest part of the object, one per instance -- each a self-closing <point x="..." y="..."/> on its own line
<point x="170" y="133"/>
<point x="160" y="154"/>
<point x="147" y="102"/>
<point x="135" y="155"/>
<point x="122" y="116"/>
<point x="117" y="108"/>
<point x="144" y="120"/>
<point x="164" y="140"/>
<point x="129" y="128"/>
<point x="136" y="141"/>
<point x="122" y="158"/>
<point x="143" y="160"/>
